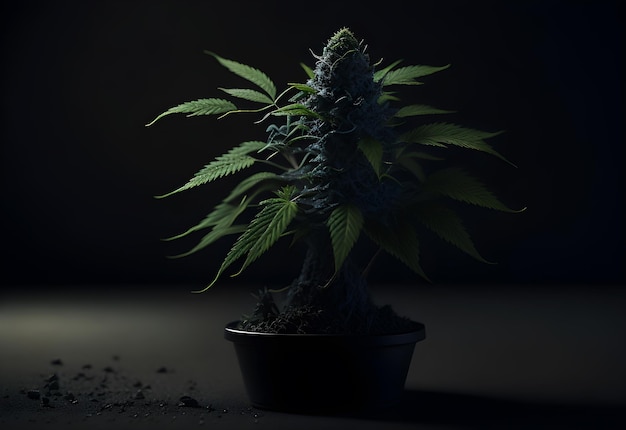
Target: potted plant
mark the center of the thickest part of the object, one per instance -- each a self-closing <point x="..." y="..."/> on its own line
<point x="342" y="164"/>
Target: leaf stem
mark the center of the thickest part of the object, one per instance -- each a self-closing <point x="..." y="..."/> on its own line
<point x="271" y="163"/>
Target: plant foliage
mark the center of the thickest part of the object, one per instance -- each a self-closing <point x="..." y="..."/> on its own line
<point x="340" y="157"/>
<point x="344" y="223"/>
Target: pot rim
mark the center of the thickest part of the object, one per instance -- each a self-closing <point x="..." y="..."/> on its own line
<point x="242" y="336"/>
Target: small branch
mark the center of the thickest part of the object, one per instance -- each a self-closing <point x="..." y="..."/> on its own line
<point x="271" y="163"/>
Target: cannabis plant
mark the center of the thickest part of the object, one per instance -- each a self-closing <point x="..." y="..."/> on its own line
<point x="341" y="161"/>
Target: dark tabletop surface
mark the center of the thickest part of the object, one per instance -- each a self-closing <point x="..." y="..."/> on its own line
<point x="494" y="357"/>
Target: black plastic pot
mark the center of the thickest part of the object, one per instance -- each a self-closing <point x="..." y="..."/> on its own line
<point x="314" y="373"/>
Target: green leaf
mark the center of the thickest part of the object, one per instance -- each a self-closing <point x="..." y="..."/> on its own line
<point x="223" y="215"/>
<point x="295" y="109"/>
<point x="302" y="87"/>
<point x="441" y="134"/>
<point x="249" y="73"/>
<point x="233" y="161"/>
<point x="246" y="94"/>
<point x="283" y="211"/>
<point x="309" y="71"/>
<point x="380" y="74"/>
<point x="387" y="96"/>
<point x="247" y="147"/>
<point x="264" y="230"/>
<point x="345" y="224"/>
<point x="448" y="226"/>
<point x="252" y="181"/>
<point x="414" y="110"/>
<point x="373" y="151"/>
<point x="407" y="75"/>
<point x="458" y="185"/>
<point x="398" y="239"/>
<point x="211" y="237"/>
<point x="199" y="107"/>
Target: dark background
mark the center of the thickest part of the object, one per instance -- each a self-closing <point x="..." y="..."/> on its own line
<point x="79" y="169"/>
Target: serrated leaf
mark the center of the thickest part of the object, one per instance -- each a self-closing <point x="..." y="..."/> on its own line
<point x="380" y="74"/>
<point x="441" y="134"/>
<point x="251" y="74"/>
<point x="247" y="94"/>
<point x="345" y="224"/>
<point x="407" y="75"/>
<point x="373" y="151"/>
<point x="262" y="232"/>
<point x="413" y="110"/>
<point x="448" y="226"/>
<point x="233" y="161"/>
<point x="285" y="213"/>
<point x="399" y="240"/>
<point x="458" y="185"/>
<point x="286" y="192"/>
<point x="211" y="106"/>
<point x="220" y="167"/>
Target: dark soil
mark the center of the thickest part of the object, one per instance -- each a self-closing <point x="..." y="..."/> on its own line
<point x="108" y="393"/>
<point x="310" y="320"/>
